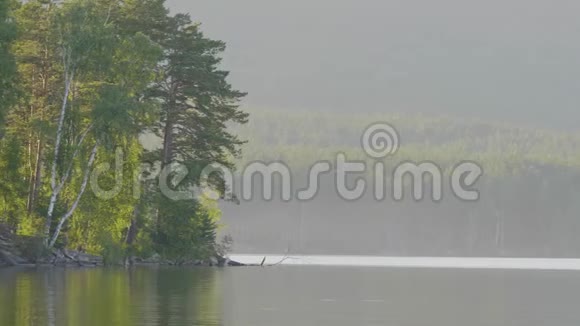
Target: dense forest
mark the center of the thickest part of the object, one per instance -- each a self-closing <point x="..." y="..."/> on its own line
<point x="528" y="203"/>
<point x="80" y="81"/>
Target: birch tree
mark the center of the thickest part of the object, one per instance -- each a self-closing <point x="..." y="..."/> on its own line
<point x="100" y="90"/>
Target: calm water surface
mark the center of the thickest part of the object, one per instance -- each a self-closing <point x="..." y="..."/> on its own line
<point x="288" y="295"/>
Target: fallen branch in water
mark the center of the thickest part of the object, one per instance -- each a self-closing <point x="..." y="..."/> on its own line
<point x="283" y="260"/>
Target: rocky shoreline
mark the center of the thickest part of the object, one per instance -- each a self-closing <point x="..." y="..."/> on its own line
<point x="13" y="253"/>
<point x="71" y="258"/>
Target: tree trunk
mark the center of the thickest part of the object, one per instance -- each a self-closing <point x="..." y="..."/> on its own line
<point x="132" y="232"/>
<point x="130" y="238"/>
<point x="169" y="128"/>
<point x="168" y="141"/>
<point x="167" y="154"/>
<point x="69" y="77"/>
<point x="36" y="178"/>
<point x="68" y="214"/>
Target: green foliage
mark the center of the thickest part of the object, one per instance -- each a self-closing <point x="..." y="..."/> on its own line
<point x="301" y="138"/>
<point x="187" y="230"/>
<point x="102" y="217"/>
<point x="197" y="102"/>
<point x="7" y="64"/>
<point x="112" y="251"/>
<point x="30" y="225"/>
<point x="12" y="191"/>
<point x="90" y="76"/>
<point x="196" y="106"/>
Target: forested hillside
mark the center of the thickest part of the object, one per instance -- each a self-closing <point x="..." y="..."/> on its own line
<point x="80" y="81"/>
<point x="302" y="137"/>
<point x="528" y="202"/>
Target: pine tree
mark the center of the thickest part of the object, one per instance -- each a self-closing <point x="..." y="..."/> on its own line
<point x="197" y="102"/>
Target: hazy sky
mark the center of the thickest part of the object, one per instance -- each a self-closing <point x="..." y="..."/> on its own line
<point x="517" y="60"/>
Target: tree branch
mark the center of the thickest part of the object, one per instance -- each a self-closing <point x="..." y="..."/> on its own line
<point x="76" y="152"/>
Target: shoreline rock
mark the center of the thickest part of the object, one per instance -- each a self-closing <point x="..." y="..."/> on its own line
<point x="22" y="251"/>
<point x="73" y="258"/>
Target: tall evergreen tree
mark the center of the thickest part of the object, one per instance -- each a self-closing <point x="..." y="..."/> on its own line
<point x="197" y="102"/>
<point x="30" y="121"/>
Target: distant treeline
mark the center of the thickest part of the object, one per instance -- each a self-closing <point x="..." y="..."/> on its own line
<point x="300" y="138"/>
<point x="528" y="202"/>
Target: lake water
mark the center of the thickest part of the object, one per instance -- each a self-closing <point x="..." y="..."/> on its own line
<point x="288" y="295"/>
